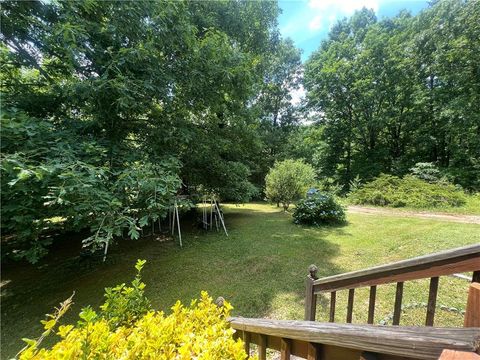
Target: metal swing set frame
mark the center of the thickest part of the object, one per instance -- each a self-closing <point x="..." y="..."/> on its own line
<point x="216" y="214"/>
<point x="209" y="205"/>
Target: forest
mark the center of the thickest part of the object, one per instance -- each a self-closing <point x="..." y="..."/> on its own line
<point x="112" y="109"/>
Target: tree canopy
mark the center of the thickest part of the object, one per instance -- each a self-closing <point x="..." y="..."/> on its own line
<point x="112" y="108"/>
<point x="390" y="93"/>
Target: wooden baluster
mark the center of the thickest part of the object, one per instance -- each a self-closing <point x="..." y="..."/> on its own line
<point x="472" y="312"/>
<point x="351" y="295"/>
<point x="398" y="303"/>
<point x="285" y="349"/>
<point x="313" y="352"/>
<point x="371" y="303"/>
<point x="262" y="347"/>
<point x="366" y="355"/>
<point x="333" y="298"/>
<point x="247" y="337"/>
<point x="432" y="301"/>
<point x="476" y="276"/>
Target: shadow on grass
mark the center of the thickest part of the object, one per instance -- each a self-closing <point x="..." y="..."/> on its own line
<point x="260" y="268"/>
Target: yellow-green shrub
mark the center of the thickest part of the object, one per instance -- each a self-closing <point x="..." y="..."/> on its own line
<point x="198" y="331"/>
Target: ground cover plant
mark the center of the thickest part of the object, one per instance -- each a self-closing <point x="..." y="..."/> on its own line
<point x="260" y="268"/>
<point x="410" y="191"/>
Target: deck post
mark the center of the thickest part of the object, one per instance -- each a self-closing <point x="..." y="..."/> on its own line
<point x="310" y="296"/>
<point x="472" y="311"/>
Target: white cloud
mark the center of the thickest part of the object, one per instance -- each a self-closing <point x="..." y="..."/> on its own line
<point x="327" y="12"/>
<point x="344" y="6"/>
<point x="315" y="17"/>
<point x="316" y="23"/>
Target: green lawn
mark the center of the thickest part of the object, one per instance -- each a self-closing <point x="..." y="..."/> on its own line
<point x="260" y="268"/>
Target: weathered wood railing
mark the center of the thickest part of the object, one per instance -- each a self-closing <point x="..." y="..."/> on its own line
<point x="315" y="340"/>
<point x="432" y="266"/>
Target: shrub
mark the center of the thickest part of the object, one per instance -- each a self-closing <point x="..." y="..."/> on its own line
<point x="287" y="181"/>
<point x="124" y="305"/>
<point x="388" y="190"/>
<point x="319" y="210"/>
<point x="198" y="331"/>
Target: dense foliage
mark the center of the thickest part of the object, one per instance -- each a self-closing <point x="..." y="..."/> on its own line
<point x="288" y="181"/>
<point x="319" y="209"/>
<point x="389" y="190"/>
<point x="199" y="331"/>
<point x="109" y="109"/>
<point x="426" y="171"/>
<point x="398" y="91"/>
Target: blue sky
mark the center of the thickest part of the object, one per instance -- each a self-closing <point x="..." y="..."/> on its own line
<point x="307" y="22"/>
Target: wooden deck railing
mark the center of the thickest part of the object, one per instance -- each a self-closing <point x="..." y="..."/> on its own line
<point x="329" y="341"/>
<point x="315" y="340"/>
<point x="465" y="259"/>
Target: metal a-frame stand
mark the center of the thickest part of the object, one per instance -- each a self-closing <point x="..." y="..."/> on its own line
<point x="175" y="218"/>
<point x="215" y="215"/>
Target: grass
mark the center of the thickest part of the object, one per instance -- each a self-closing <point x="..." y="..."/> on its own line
<point x="260" y="268"/>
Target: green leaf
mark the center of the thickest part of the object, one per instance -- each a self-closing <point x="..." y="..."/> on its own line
<point x="139" y="265"/>
<point x="133" y="233"/>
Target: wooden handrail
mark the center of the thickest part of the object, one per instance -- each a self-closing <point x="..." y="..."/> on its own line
<point x="431" y="266"/>
<point x="443" y="263"/>
<point x="302" y="337"/>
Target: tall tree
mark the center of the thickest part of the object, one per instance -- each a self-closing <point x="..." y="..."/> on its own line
<point x="399" y="91"/>
<point x="124" y="101"/>
<point x="273" y="105"/>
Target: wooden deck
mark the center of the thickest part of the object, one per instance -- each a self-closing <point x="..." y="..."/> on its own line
<point x="348" y="341"/>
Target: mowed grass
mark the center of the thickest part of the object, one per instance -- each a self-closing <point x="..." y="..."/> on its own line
<point x="260" y="268"/>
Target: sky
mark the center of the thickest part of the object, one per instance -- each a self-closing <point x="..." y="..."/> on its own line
<point x="307" y="22"/>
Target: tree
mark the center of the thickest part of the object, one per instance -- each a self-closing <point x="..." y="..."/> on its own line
<point x="288" y="181"/>
<point x="400" y="91"/>
<point x="110" y="108"/>
<point x="273" y="106"/>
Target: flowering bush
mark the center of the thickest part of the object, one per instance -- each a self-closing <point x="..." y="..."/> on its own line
<point x="318" y="210"/>
<point x="199" y="331"/>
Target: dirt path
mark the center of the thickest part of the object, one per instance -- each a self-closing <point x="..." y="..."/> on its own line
<point x="466" y="219"/>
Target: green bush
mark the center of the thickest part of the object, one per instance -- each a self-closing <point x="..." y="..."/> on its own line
<point x="124" y="305"/>
<point x="287" y="181"/>
<point x="388" y="190"/>
<point x="319" y="210"/>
